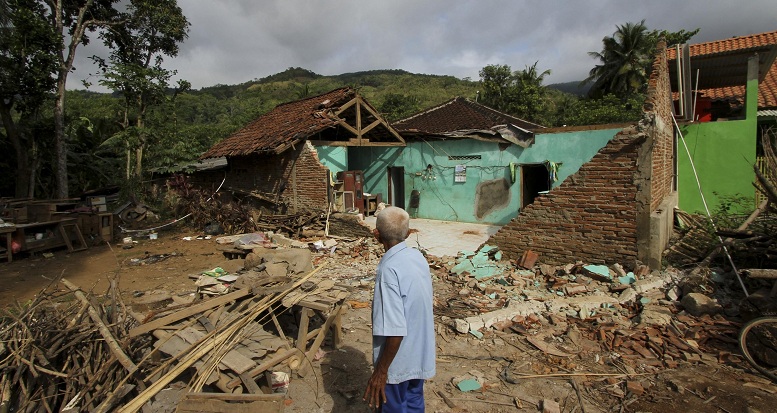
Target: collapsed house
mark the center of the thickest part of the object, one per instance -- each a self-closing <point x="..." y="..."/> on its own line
<point x="600" y="193"/>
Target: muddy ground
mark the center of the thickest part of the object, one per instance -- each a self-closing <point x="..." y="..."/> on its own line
<point x="582" y="383"/>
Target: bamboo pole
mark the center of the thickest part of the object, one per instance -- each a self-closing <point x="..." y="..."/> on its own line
<point x="104" y="331"/>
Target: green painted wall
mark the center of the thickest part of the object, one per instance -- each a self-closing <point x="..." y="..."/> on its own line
<point x="333" y="157"/>
<point x="723" y="153"/>
<point x="442" y="198"/>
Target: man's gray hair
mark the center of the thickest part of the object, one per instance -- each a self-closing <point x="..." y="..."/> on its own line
<point x="393" y="223"/>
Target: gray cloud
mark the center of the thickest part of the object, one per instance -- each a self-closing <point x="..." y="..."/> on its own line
<point x="234" y="41"/>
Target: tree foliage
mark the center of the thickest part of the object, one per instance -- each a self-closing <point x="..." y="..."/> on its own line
<point x="396" y="106"/>
<point x="623" y="62"/>
<point x="518" y="93"/>
<point x="27" y="63"/>
<point x="626" y="58"/>
<point x="152" y="29"/>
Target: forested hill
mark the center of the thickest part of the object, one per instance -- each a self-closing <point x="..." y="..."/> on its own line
<point x="375" y="85"/>
<point x="178" y="130"/>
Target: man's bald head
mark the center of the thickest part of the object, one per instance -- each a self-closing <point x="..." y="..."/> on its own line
<point x="393" y="224"/>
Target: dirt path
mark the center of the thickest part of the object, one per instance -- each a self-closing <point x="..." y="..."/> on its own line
<point x="499" y="359"/>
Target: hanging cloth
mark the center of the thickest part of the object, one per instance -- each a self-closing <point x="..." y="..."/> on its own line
<point x="552" y="168"/>
<point x="513" y="167"/>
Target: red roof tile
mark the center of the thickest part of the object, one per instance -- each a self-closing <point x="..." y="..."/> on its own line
<point x="767" y="89"/>
<point x="458" y="114"/>
<point x="284" y="126"/>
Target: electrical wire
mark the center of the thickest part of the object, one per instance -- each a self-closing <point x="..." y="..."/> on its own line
<point x="707" y="209"/>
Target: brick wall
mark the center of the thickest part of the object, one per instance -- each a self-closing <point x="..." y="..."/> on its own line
<point x="591" y="216"/>
<point x="659" y="103"/>
<point x="295" y="177"/>
<point x="602" y="213"/>
<point x="348" y="225"/>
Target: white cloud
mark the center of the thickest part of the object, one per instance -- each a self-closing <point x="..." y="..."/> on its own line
<point x="234" y="41"/>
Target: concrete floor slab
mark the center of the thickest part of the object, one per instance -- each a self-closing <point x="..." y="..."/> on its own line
<point x="440" y="238"/>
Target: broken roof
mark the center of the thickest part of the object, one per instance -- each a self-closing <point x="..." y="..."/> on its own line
<point x="335" y="117"/>
<point x="463" y="118"/>
<point x="722" y="67"/>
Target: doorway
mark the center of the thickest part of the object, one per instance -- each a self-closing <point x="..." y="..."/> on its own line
<point x="396" y="186"/>
<point x="535" y="179"/>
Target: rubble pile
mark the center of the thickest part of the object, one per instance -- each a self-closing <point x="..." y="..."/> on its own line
<point x="642" y="318"/>
<point x="65" y="351"/>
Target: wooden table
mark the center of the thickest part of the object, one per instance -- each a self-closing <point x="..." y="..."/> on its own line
<point x="8" y="231"/>
<point x="54" y="235"/>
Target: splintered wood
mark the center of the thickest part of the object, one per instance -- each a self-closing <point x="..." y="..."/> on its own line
<point x="65" y="354"/>
<point x="84" y="354"/>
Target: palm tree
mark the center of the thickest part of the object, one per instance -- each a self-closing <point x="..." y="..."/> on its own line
<point x="624" y="59"/>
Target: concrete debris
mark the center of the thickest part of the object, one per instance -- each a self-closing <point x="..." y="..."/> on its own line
<point x="655" y="315"/>
<point x="586" y="310"/>
<point x="550" y="406"/>
<point x="699" y="304"/>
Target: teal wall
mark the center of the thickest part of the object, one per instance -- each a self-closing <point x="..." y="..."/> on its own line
<point x="723" y="153"/>
<point x="442" y="198"/>
<point x="333" y="157"/>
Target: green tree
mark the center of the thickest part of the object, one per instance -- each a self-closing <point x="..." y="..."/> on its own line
<point x="397" y="106"/>
<point x="27" y="64"/>
<point x="71" y="21"/>
<point x="607" y="109"/>
<point x="624" y="60"/>
<point x="671" y="38"/>
<point x="152" y="29"/>
<point x="519" y="93"/>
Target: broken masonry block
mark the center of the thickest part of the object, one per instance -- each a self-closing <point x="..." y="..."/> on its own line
<point x="528" y="259"/>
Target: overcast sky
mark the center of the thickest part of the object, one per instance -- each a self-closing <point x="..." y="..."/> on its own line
<point x="235" y="41"/>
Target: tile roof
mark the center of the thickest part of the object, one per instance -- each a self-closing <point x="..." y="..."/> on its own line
<point x="763" y="43"/>
<point x="284" y="126"/>
<point x="458" y="114"/>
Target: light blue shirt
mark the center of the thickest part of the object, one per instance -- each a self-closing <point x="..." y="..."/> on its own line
<point x="402" y="306"/>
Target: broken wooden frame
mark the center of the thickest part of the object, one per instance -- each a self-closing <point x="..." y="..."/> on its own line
<point x="228" y="320"/>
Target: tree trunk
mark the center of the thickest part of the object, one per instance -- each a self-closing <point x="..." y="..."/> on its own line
<point x="142" y="140"/>
<point x="60" y="143"/>
<point x="34" y="167"/>
<point x="23" y="173"/>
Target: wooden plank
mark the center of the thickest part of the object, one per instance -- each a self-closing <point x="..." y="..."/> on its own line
<point x="187" y="312"/>
<point x="311" y="353"/>
<point x="250" y="384"/>
<point x="346" y="106"/>
<point x="272" y="362"/>
<point x="204" y="348"/>
<point x="233" y="360"/>
<point x="761" y="273"/>
<point x="302" y="333"/>
<point x="234" y="397"/>
<point x="217" y="406"/>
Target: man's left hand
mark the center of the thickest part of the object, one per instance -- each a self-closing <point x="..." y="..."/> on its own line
<point x="375" y="395"/>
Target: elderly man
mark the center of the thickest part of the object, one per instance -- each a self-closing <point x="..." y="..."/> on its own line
<point x="403" y="348"/>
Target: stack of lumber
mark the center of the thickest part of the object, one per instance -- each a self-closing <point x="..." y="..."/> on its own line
<point x="70" y="351"/>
